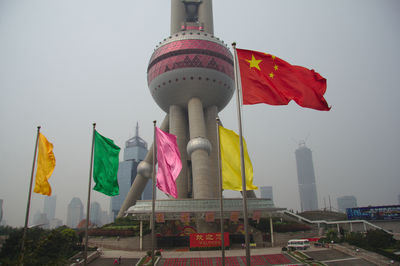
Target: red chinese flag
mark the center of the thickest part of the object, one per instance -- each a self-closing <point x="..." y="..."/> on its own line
<point x="268" y="79"/>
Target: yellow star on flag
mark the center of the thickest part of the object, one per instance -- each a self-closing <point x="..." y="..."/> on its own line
<point x="275" y="67"/>
<point x="271" y="75"/>
<point x="254" y="62"/>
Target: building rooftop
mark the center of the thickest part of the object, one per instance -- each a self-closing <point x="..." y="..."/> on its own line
<point x="136" y="141"/>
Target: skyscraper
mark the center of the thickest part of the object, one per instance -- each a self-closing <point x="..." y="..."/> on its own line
<point x="1" y="210"/>
<point x="40" y="219"/>
<point x="95" y="213"/>
<point x="74" y="212"/>
<point x="346" y="202"/>
<point x="266" y="192"/>
<point x="306" y="179"/>
<point x="49" y="207"/>
<point x="134" y="152"/>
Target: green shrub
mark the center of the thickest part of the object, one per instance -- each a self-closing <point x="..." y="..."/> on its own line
<point x="290" y="227"/>
<point x="379" y="239"/>
<point x="356" y="239"/>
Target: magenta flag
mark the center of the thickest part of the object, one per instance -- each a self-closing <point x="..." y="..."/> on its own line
<point x="169" y="162"/>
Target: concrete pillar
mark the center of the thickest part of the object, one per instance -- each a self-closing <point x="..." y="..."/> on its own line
<point x="206" y="16"/>
<point x="177" y="15"/>
<point x="178" y="127"/>
<point x="141" y="235"/>
<point x="338" y="228"/>
<point x="211" y="124"/>
<point x="271" y="231"/>
<point x="351" y="227"/>
<point x="198" y="150"/>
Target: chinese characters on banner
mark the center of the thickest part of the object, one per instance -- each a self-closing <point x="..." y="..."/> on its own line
<point x="160" y="218"/>
<point x="234" y="216"/>
<point x="185" y="217"/>
<point x="208" y="239"/>
<point x="256" y="216"/>
<point x="210" y="216"/>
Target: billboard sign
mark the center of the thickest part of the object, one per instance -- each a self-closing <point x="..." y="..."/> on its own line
<point x="391" y="212"/>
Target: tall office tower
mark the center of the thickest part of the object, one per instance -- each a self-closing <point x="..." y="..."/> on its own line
<point x="105" y="217"/>
<point x="190" y="76"/>
<point x="306" y="178"/>
<point x="346" y="202"/>
<point x="95" y="213"/>
<point x="74" y="212"/>
<point x="40" y="220"/>
<point x="134" y="152"/>
<point x="54" y="223"/>
<point x="36" y="218"/>
<point x="1" y="210"/>
<point x="49" y="207"/>
<point x="266" y="192"/>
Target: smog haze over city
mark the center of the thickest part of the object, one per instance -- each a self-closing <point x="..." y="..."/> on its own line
<point x="67" y="64"/>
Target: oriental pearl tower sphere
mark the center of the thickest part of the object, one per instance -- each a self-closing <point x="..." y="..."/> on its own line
<point x="190" y="76"/>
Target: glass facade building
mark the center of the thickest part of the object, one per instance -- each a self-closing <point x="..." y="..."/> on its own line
<point x="49" y="207"/>
<point x="306" y="179"/>
<point x="266" y="192"/>
<point x="74" y="212"/>
<point x="95" y="214"/>
<point x="346" y="202"/>
<point x="134" y="152"/>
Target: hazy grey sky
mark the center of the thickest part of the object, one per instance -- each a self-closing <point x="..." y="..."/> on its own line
<point x="67" y="64"/>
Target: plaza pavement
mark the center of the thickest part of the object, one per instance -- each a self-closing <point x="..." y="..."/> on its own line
<point x="107" y="253"/>
<point x="329" y="256"/>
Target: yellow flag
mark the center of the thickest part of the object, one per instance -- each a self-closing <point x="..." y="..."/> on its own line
<point x="45" y="166"/>
<point x="230" y="161"/>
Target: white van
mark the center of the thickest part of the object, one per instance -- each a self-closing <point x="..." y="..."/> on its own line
<point x="298" y="244"/>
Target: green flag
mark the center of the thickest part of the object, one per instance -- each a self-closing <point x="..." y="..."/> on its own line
<point x="105" y="165"/>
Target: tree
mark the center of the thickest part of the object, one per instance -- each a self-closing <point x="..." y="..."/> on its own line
<point x="356" y="238"/>
<point x="42" y="247"/>
<point x="332" y="235"/>
<point x="379" y="239"/>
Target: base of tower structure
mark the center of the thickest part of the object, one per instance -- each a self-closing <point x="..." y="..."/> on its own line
<point x="203" y="226"/>
<point x="205" y="213"/>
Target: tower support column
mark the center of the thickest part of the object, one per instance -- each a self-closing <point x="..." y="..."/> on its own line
<point x="210" y="116"/>
<point x="178" y="127"/>
<point x="199" y="148"/>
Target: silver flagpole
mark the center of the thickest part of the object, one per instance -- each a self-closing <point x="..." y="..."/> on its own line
<point x="153" y="203"/>
<point x="221" y="203"/>
<point x="242" y="166"/>
<point x="28" y="205"/>
<point x="88" y="200"/>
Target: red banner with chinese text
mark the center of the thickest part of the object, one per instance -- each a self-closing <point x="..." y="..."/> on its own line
<point x="208" y="240"/>
<point x="312" y="239"/>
